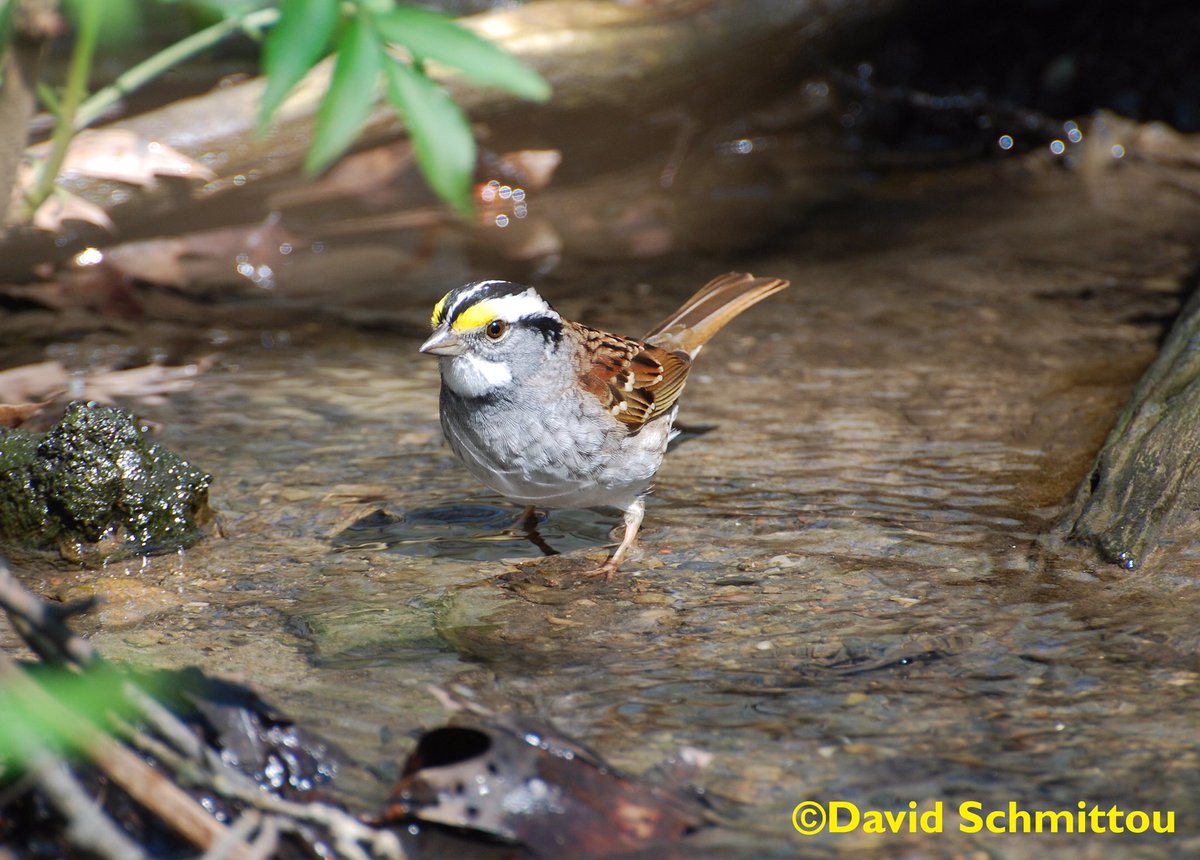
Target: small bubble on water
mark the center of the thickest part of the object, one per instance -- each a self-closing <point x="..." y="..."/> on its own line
<point x="89" y="257"/>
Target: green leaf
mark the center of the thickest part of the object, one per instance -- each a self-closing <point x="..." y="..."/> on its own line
<point x="6" y="10"/>
<point x="293" y="46"/>
<point x="433" y="36"/>
<point x="122" y="25"/>
<point x="347" y="102"/>
<point x="440" y="133"/>
<point x="92" y="696"/>
<point x="205" y="13"/>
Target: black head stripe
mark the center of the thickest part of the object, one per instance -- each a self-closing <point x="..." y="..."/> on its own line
<point x="473" y="293"/>
<point x="550" y="327"/>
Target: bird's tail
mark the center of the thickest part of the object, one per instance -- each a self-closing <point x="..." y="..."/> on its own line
<point x="705" y="313"/>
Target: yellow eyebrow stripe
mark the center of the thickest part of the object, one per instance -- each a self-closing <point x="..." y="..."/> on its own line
<point x="438" y="310"/>
<point x="475" y="316"/>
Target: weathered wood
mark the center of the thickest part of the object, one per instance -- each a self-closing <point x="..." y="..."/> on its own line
<point x="16" y="109"/>
<point x="1144" y="488"/>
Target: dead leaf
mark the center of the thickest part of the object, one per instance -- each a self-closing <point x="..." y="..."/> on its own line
<point x="531" y="168"/>
<point x="196" y="261"/>
<point x="122" y="155"/>
<point x="62" y="206"/>
<point x="32" y="382"/>
<point x="16" y="414"/>
<point x="149" y="383"/>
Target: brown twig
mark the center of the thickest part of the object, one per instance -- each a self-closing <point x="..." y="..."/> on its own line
<point x="183" y="753"/>
<point x="148" y="787"/>
<point x="87" y="825"/>
<point x="40" y="626"/>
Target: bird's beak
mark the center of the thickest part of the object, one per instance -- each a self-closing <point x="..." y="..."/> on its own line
<point x="444" y="342"/>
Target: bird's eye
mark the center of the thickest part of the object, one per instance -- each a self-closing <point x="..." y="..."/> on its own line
<point x="496" y="329"/>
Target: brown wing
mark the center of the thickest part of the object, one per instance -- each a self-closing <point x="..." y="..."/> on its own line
<point x="636" y="382"/>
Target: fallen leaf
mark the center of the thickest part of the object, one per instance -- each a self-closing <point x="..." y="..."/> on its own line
<point x="47" y="379"/>
<point x="532" y="168"/>
<point x="31" y="382"/>
<point x="62" y="206"/>
<point x="149" y="383"/>
<point x="194" y="262"/>
<point x="16" y="414"/>
<point x="124" y="156"/>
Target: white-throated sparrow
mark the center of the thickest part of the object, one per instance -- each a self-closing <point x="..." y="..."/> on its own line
<point x="550" y="413"/>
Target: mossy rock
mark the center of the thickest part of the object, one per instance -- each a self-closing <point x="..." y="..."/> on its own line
<point x="94" y="487"/>
<point x="1143" y="491"/>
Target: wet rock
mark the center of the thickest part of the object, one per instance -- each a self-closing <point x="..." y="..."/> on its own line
<point x="1142" y="490"/>
<point x="122" y="602"/>
<point x="95" y="487"/>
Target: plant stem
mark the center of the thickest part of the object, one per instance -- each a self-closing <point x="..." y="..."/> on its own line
<point x="74" y="92"/>
<point x="76" y="111"/>
<point x="150" y="68"/>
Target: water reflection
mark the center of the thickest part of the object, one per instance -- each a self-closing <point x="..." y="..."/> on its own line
<point x="840" y="592"/>
<point x="474" y="532"/>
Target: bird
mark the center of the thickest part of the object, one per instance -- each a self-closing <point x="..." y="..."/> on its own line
<point x="551" y="413"/>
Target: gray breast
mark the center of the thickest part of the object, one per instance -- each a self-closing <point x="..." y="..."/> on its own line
<point x="568" y="453"/>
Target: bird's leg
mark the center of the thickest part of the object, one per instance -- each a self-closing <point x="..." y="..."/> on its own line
<point x="633" y="521"/>
<point x="527" y="520"/>
<point x="527" y="525"/>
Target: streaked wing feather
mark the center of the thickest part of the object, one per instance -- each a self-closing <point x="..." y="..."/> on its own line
<point x="635" y="381"/>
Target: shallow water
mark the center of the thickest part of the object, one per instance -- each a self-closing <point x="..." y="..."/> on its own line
<point x="841" y="592"/>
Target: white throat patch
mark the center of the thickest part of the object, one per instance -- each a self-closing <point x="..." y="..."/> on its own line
<point x="472" y="376"/>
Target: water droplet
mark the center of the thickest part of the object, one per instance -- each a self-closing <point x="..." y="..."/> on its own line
<point x="89" y="257"/>
<point x="1117" y="151"/>
<point x="1005" y="142"/>
<point x="501" y="220"/>
<point x="1057" y="147"/>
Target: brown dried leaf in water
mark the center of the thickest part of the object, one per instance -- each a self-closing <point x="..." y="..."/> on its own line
<point x="531" y="168"/>
<point x="16" y="414"/>
<point x="149" y="383"/>
<point x="227" y="255"/>
<point x="529" y="784"/>
<point x="155" y="261"/>
<point x="367" y="174"/>
<point x="47" y="294"/>
<point x="63" y="206"/>
<point x="31" y="382"/>
<point x="124" y="156"/>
